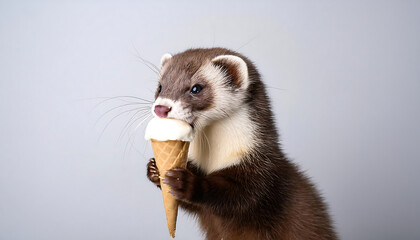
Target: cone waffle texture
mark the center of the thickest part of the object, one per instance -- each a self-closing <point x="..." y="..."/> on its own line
<point x="168" y="155"/>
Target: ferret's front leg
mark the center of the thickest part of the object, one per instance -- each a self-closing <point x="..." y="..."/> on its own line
<point x="154" y="176"/>
<point x="220" y="192"/>
<point x="185" y="185"/>
<point x="153" y="172"/>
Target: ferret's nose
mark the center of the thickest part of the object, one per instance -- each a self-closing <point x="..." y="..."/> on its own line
<point x="162" y="111"/>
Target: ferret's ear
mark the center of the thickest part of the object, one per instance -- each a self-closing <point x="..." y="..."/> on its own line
<point x="235" y="69"/>
<point x="165" y="59"/>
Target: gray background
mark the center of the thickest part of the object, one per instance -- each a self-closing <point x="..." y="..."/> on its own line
<point x="344" y="78"/>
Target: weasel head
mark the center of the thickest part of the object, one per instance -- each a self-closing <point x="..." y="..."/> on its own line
<point x="201" y="86"/>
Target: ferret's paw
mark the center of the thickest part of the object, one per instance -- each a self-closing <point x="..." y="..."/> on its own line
<point x="182" y="183"/>
<point x="153" y="172"/>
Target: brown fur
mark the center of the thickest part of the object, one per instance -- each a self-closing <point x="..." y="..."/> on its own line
<point x="265" y="196"/>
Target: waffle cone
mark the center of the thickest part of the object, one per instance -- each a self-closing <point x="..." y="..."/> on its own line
<point x="168" y="155"/>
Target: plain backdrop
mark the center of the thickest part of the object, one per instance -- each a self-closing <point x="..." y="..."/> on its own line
<point x="343" y="76"/>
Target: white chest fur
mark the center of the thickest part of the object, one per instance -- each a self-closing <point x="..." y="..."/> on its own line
<point x="224" y="142"/>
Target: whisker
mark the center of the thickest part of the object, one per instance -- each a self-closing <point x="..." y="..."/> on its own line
<point x="203" y="116"/>
<point x="148" y="64"/>
<point x="132" y="120"/>
<point x="132" y="135"/>
<point x="276" y="88"/>
<point x="248" y="42"/>
<point x="114" y="108"/>
<point x="204" y="141"/>
<point x="112" y="119"/>
<point x="145" y="101"/>
<point x="207" y="140"/>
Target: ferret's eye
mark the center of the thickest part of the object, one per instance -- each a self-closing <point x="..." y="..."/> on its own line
<point x="196" y="89"/>
<point x="160" y="88"/>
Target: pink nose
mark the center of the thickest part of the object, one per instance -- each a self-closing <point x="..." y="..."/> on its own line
<point x="162" y="111"/>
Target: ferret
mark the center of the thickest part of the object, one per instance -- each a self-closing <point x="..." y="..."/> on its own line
<point x="238" y="182"/>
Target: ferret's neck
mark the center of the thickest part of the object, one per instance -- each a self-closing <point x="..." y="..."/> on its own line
<point x="223" y="143"/>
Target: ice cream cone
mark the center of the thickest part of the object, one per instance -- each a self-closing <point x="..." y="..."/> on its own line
<point x="168" y="155"/>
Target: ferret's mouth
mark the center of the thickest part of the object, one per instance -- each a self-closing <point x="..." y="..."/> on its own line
<point x="191" y="122"/>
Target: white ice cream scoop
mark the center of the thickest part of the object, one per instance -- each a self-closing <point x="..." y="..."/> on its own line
<point x="164" y="129"/>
